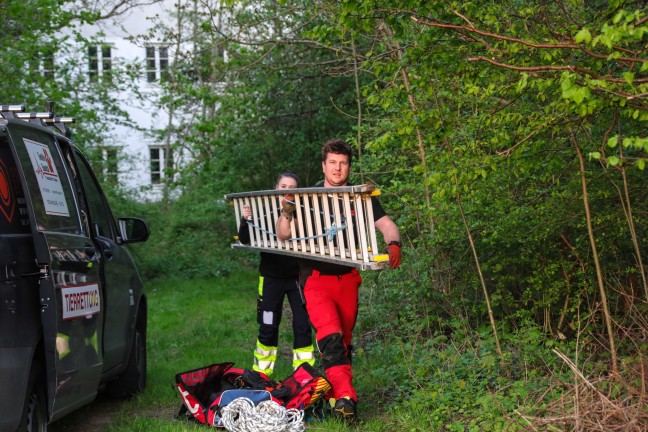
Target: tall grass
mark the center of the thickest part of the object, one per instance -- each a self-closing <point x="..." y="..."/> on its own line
<point x="409" y="375"/>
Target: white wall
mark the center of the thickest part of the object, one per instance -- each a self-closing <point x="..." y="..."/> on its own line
<point x="134" y="171"/>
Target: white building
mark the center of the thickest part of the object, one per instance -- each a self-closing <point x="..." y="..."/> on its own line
<point x="139" y="157"/>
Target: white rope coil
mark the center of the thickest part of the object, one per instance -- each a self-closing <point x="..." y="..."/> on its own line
<point x="241" y="415"/>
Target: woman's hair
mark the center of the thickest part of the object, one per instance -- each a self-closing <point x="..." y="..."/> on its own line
<point x="290" y="174"/>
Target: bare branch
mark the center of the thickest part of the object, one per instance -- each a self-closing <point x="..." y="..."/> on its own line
<point x="557" y="45"/>
<point x="570" y="68"/>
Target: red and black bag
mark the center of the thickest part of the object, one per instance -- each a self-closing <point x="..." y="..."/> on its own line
<point x="303" y="388"/>
<point x="205" y="391"/>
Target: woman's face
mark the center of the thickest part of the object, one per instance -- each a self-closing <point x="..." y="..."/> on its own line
<point x="286" y="183"/>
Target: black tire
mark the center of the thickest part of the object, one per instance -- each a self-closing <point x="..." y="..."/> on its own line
<point x="132" y="380"/>
<point x="34" y="417"/>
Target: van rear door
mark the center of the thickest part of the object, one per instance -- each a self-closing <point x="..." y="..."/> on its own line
<point x="70" y="289"/>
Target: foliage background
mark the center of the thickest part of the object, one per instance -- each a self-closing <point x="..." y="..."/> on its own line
<point x="509" y="141"/>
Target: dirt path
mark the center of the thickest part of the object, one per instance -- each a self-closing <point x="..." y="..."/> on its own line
<point x="95" y="417"/>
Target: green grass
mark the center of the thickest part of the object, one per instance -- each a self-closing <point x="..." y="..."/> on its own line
<point x="192" y="324"/>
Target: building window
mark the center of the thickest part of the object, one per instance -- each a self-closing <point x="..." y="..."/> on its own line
<point x="47" y="65"/>
<point x="156" y="165"/>
<point x="157" y="62"/>
<point x="161" y="164"/>
<point x="43" y="65"/>
<point x="100" y="62"/>
<point x="110" y="165"/>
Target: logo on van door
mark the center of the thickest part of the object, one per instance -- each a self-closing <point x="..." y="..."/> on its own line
<point x="7" y="204"/>
<point x="80" y="300"/>
<point x="48" y="178"/>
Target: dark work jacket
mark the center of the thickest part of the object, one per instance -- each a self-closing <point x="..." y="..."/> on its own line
<point x="272" y="265"/>
<point x="306" y="266"/>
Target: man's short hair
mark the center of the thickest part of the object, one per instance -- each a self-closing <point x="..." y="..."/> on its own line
<point x="337" y="146"/>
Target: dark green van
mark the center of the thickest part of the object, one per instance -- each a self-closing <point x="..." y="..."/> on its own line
<point x="72" y="309"/>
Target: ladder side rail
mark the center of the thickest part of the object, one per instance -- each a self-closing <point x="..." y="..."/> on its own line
<point x="270" y="220"/>
<point x="372" y="226"/>
<point x="237" y="214"/>
<point x="337" y="211"/>
<point x="351" y="226"/>
<point x="315" y="190"/>
<point x="368" y="227"/>
<point x="319" y="228"/>
<point x="358" y="264"/>
<point x="360" y="204"/>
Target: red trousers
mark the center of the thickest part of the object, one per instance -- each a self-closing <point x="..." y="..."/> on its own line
<point x="332" y="304"/>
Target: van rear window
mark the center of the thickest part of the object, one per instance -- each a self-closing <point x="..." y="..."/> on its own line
<point x="47" y="181"/>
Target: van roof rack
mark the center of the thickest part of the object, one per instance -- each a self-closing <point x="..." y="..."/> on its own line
<point x="46" y="118"/>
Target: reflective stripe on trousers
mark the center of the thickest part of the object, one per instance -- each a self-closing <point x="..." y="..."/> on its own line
<point x="264" y="358"/>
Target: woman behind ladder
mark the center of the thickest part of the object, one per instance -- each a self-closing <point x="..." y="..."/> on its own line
<point x="279" y="278"/>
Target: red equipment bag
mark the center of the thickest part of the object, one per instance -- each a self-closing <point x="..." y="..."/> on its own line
<point x="303" y="388"/>
<point x="205" y="391"/>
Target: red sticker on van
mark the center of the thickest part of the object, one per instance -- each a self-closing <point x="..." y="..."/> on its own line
<point x="7" y="203"/>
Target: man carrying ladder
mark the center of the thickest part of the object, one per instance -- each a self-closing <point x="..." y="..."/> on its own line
<point x="331" y="290"/>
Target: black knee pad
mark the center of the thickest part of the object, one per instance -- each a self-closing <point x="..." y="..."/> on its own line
<point x="334" y="353"/>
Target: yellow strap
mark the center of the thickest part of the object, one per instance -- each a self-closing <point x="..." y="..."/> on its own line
<point x="381" y="257"/>
<point x="260" y="285"/>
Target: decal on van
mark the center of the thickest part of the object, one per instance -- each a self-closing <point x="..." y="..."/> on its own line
<point x="7" y="204"/>
<point x="80" y="300"/>
<point x="48" y="178"/>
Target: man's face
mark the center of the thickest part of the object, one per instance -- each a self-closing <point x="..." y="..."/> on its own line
<point x="336" y="169"/>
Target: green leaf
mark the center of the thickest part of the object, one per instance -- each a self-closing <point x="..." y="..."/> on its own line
<point x="583" y="35"/>
<point x="613" y="160"/>
<point x="595" y="155"/>
<point x="522" y="82"/>
<point x="641" y="164"/>
<point x="613" y="141"/>
<point x="629" y="77"/>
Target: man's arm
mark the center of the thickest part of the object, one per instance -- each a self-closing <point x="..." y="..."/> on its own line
<point x="388" y="229"/>
<point x="391" y="234"/>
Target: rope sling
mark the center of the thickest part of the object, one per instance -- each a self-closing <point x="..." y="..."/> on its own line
<point x="329" y="233"/>
<point x="241" y="415"/>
